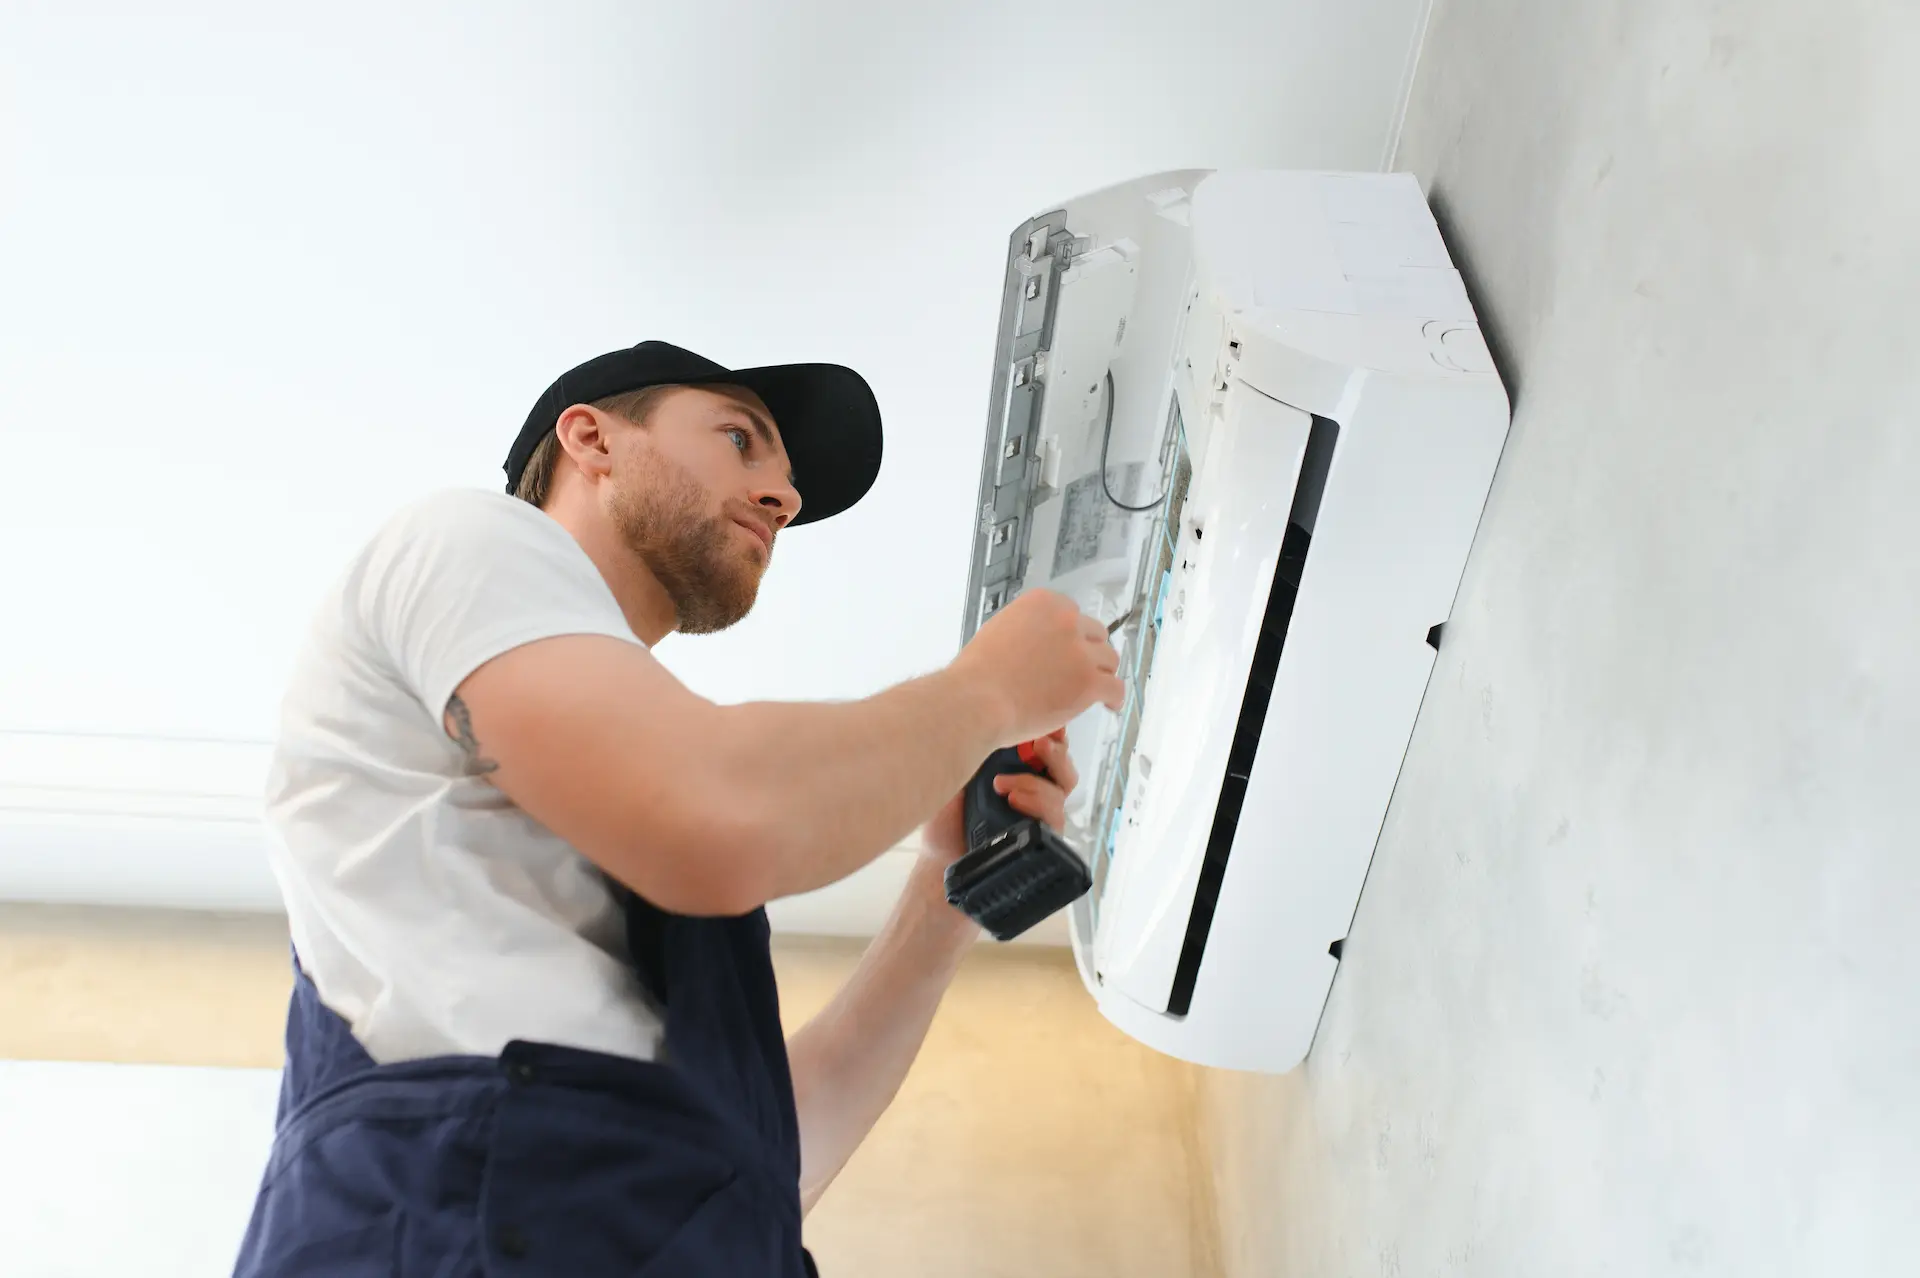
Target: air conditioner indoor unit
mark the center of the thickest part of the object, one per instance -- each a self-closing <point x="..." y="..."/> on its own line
<point x="1249" y="416"/>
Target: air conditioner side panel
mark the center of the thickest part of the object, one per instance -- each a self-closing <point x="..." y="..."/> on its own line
<point x="1403" y="499"/>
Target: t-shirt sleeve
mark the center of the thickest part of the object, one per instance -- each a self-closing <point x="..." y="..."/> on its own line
<point x="459" y="578"/>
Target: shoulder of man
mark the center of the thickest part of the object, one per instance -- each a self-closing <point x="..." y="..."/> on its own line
<point x="463" y="526"/>
<point x="460" y="576"/>
<point x="465" y="507"/>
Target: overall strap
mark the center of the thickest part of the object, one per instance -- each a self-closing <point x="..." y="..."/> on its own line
<point x="714" y="980"/>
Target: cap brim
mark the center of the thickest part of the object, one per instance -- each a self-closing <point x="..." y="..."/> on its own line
<point x="829" y="423"/>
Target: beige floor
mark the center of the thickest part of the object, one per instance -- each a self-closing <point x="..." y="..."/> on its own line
<point x="158" y="988"/>
<point x="1031" y="1138"/>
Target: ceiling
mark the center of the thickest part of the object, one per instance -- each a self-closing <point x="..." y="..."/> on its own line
<point x="263" y="278"/>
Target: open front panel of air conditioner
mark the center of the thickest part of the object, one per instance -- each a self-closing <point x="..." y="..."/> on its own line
<point x="1249" y="417"/>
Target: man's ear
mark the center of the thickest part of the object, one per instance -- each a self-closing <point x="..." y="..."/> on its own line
<point x="584" y="433"/>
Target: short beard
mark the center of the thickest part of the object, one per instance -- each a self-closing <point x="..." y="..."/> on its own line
<point x="694" y="556"/>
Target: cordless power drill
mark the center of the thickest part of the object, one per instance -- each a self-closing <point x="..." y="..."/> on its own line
<point x="1016" y="871"/>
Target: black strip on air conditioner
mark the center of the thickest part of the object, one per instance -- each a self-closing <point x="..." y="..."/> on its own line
<point x="1253" y="705"/>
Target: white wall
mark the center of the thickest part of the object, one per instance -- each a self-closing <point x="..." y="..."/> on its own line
<point x="124" y="1169"/>
<point x="265" y="275"/>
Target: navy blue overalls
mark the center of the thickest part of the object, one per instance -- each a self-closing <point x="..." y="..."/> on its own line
<point x="546" y="1159"/>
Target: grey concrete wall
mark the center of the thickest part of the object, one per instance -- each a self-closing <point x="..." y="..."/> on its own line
<point x="1634" y="988"/>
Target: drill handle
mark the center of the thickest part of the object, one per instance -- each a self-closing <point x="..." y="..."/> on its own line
<point x="986" y="812"/>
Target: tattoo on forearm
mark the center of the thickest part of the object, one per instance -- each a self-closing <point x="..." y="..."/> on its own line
<point x="460" y="728"/>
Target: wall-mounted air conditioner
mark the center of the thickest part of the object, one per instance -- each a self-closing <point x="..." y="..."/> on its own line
<point x="1251" y="414"/>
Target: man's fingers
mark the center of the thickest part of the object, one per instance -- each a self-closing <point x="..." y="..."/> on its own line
<point x="1106" y="656"/>
<point x="1034" y="796"/>
<point x="1058" y="761"/>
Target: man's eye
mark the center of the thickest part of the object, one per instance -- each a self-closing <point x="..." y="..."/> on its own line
<point x="740" y="438"/>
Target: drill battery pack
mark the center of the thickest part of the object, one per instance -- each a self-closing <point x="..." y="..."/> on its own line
<point x="1016" y="871"/>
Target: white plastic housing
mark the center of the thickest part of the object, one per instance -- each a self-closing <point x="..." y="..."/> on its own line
<point x="1255" y="303"/>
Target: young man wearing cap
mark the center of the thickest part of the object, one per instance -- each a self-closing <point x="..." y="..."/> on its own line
<point x="534" y="1026"/>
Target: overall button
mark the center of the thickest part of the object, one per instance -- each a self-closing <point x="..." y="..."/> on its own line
<point x="520" y="1072"/>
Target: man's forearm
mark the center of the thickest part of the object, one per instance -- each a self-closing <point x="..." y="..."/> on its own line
<point x="849" y="1061"/>
<point x="902" y="752"/>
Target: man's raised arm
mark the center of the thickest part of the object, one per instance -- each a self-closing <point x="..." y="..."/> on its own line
<point x="714" y="810"/>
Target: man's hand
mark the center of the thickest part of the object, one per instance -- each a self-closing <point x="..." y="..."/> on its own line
<point x="1044" y="797"/>
<point x="1043" y="661"/>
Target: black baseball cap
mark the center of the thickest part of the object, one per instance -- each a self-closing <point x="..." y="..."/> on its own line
<point x="827" y="415"/>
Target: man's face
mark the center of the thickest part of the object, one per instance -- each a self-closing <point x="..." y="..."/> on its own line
<point x="699" y="493"/>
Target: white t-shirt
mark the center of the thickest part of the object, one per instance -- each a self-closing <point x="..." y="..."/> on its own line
<point x="429" y="911"/>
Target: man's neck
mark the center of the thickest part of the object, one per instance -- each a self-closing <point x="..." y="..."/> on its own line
<point x="644" y="601"/>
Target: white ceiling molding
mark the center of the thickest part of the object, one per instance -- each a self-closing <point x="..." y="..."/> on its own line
<point x="133" y="821"/>
<point x="173" y="823"/>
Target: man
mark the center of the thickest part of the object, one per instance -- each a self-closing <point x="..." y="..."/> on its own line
<point x="534" y="1027"/>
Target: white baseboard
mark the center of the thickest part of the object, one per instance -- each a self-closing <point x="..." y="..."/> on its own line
<point x="173" y="824"/>
<point x="133" y="821"/>
<point x="145" y="862"/>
